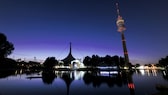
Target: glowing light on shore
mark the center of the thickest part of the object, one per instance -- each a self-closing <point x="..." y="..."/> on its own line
<point x="141" y="67"/>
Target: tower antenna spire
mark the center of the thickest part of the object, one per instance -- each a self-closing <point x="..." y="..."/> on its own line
<point x="118" y="10"/>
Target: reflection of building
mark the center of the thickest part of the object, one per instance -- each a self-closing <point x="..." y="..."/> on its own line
<point x="69" y="58"/>
<point x="110" y="78"/>
<point x="69" y="77"/>
<point x="165" y="74"/>
<point x="68" y="80"/>
<point x="99" y="78"/>
<point x="148" y="72"/>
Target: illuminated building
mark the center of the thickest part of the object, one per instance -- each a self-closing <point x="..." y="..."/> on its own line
<point x="69" y="58"/>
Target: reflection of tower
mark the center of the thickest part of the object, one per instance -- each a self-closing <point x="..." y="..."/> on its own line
<point x="121" y="29"/>
<point x="131" y="85"/>
<point x="69" y="58"/>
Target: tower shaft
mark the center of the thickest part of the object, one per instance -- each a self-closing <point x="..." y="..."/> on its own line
<point x="126" y="57"/>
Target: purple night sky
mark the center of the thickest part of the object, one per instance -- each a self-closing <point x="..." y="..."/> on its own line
<point x="43" y="28"/>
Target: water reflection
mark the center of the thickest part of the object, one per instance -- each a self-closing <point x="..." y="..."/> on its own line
<point x="148" y="72"/>
<point x="6" y="73"/>
<point x="66" y="76"/>
<point x="96" y="79"/>
<point x="48" y="76"/>
<point x="165" y="74"/>
<point x="86" y="75"/>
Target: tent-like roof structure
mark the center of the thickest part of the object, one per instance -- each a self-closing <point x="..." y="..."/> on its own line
<point x="69" y="58"/>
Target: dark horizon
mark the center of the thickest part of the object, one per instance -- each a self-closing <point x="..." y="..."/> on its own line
<point x="43" y="28"/>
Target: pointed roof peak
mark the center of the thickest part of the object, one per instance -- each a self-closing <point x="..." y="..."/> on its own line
<point x="69" y="58"/>
<point x="70" y="48"/>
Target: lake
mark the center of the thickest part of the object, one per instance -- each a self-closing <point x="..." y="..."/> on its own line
<point x="36" y="82"/>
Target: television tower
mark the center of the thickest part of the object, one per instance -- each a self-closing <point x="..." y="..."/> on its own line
<point x="121" y="28"/>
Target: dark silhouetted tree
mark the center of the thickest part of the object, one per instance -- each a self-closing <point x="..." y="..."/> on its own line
<point x="137" y="65"/>
<point x="50" y="62"/>
<point x="122" y="62"/>
<point x="116" y="60"/>
<point x="95" y="60"/>
<point x="149" y="65"/>
<point x="108" y="60"/>
<point x="87" y="61"/>
<point x="163" y="61"/>
<point x="6" y="47"/>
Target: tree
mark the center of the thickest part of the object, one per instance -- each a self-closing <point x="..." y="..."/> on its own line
<point x="50" y="62"/>
<point x="95" y="60"/>
<point x="87" y="61"/>
<point x="163" y="61"/>
<point x="116" y="60"/>
<point x="122" y="61"/>
<point x="137" y="65"/>
<point x="6" y="47"/>
<point x="108" y="60"/>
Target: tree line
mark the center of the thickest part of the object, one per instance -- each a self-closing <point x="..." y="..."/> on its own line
<point x="6" y="48"/>
<point x="108" y="60"/>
